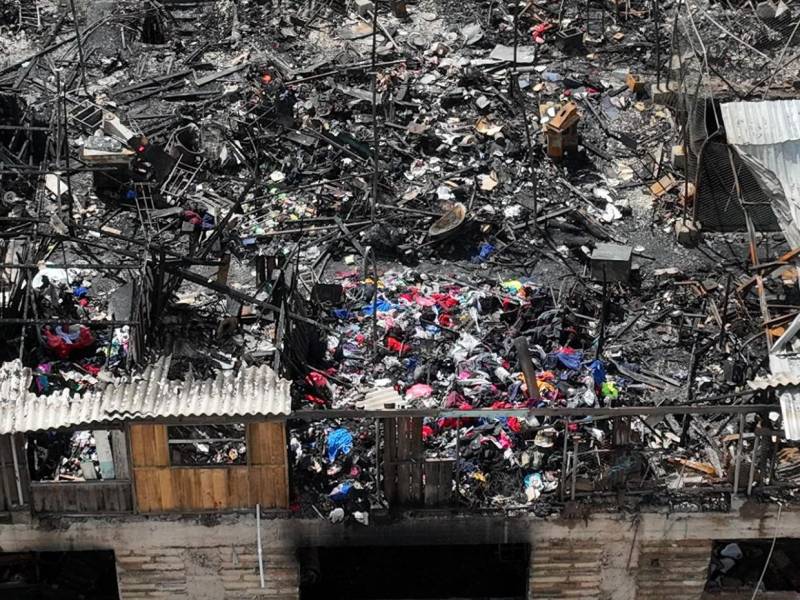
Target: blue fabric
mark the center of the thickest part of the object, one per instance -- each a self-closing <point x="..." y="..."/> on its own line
<point x="598" y="372"/>
<point x="341" y="491"/>
<point x="80" y="292"/>
<point x="382" y="305"/>
<point x="342" y="313"/>
<point x="207" y="222"/>
<point x="339" y="440"/>
<point x="484" y="252"/>
<point x="570" y="360"/>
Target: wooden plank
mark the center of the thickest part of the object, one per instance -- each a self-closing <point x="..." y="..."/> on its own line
<point x="404" y="483"/>
<point x="415" y="434"/>
<point x="154" y="489"/>
<point x="24" y="474"/>
<point x="144" y="481"/>
<point x="267" y="443"/>
<point x="258" y="443"/>
<point x="5" y="484"/>
<point x="277" y="443"/>
<point x="188" y="493"/>
<point x="432" y="483"/>
<point x="404" y="439"/>
<point x="9" y="495"/>
<point x="119" y="449"/>
<point x="281" y="486"/>
<point x="268" y="486"/>
<point x="69" y="497"/>
<point x="136" y="433"/>
<point x="149" y="445"/>
<point x="390" y="459"/>
<point x="160" y="446"/>
<point x="239" y="487"/>
<point x="258" y="491"/>
<point x="219" y="488"/>
<point x="415" y="484"/>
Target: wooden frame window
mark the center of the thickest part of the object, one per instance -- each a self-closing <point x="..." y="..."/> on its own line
<point x="207" y="445"/>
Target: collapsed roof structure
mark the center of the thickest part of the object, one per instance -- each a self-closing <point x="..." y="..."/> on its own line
<point x="550" y="262"/>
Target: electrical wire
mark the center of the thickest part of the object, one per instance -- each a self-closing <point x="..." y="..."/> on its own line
<point x="769" y="556"/>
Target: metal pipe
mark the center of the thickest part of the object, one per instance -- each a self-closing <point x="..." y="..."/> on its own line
<point x="16" y="469"/>
<point x="564" y="457"/>
<point x="574" y="467"/>
<point x="753" y="466"/>
<point x="260" y="550"/>
<point x="378" y="487"/>
<point x="375" y="141"/>
<point x="739" y="445"/>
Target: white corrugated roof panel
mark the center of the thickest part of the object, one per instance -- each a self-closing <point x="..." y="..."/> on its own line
<point x="758" y="123"/>
<point x="250" y="391"/>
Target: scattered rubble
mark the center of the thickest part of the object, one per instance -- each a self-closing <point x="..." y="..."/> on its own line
<point x="405" y="208"/>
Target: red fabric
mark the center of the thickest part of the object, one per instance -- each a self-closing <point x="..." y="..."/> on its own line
<point x="538" y="32"/>
<point x="317" y="380"/>
<point x="91" y="369"/>
<point x="62" y="348"/>
<point x="396" y="345"/>
<point x="314" y="399"/>
<point x="445" y="300"/>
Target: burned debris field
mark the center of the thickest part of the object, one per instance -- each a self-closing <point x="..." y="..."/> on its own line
<point x="344" y="259"/>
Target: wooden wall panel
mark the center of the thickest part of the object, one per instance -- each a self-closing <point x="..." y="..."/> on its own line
<point x="149" y="445"/>
<point x="403" y="458"/>
<point x="438" y="487"/>
<point x="268" y="486"/>
<point x="267" y="443"/>
<point x="161" y="488"/>
<point x="9" y="493"/>
<point x="154" y="491"/>
<point x="89" y="497"/>
<point x="239" y="484"/>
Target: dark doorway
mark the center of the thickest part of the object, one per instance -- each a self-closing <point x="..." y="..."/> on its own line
<point x="89" y="575"/>
<point x="497" y="572"/>
<point x="739" y="566"/>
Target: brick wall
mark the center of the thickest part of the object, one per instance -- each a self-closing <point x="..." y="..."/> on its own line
<point x="566" y="569"/>
<point x="674" y="570"/>
<point x="617" y="570"/>
<point x="214" y="573"/>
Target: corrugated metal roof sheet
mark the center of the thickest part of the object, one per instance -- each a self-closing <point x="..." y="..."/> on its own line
<point x="252" y="391"/>
<point x="785" y="368"/>
<point x="757" y="123"/>
<point x="767" y="136"/>
<point x="382" y="399"/>
<point x="790" y="407"/>
<point x="785" y="371"/>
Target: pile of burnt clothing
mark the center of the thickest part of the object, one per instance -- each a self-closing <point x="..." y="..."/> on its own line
<point x="334" y="469"/>
<point x="444" y="344"/>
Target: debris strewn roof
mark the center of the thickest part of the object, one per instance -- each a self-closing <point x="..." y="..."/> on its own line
<point x="251" y="391"/>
